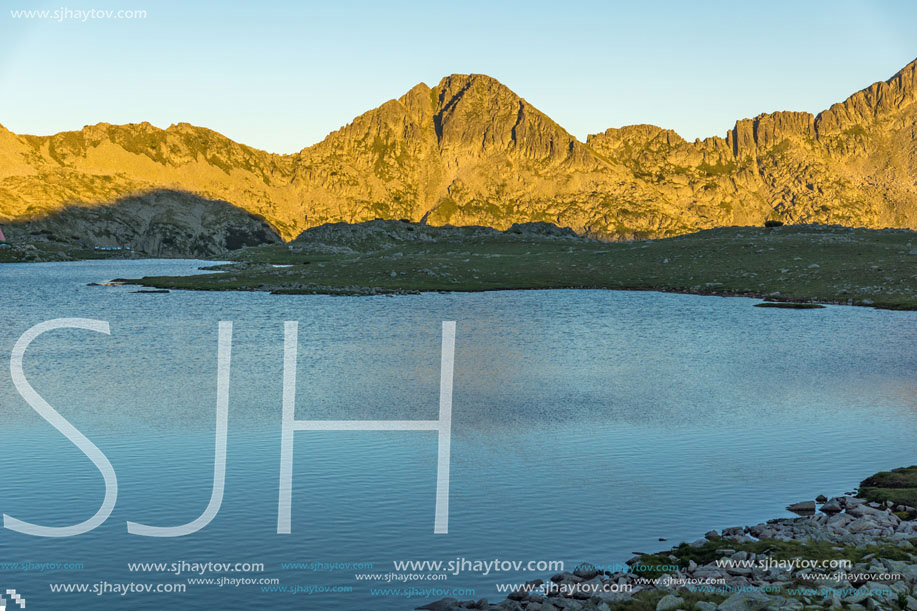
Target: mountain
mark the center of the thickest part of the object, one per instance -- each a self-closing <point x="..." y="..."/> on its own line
<point x="471" y="151"/>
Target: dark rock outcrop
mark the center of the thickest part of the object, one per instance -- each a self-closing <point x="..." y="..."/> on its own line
<point x="159" y="224"/>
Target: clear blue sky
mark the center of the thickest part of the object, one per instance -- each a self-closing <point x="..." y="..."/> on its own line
<point x="281" y="75"/>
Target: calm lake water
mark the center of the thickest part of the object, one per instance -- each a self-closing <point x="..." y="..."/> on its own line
<point x="587" y="424"/>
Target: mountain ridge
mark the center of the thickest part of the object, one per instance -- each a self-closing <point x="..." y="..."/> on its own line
<point x="471" y="151"/>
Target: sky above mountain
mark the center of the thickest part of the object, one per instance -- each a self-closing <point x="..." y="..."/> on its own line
<point x="281" y="75"/>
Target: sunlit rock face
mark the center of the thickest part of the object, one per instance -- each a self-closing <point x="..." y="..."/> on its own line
<point x="471" y="151"/>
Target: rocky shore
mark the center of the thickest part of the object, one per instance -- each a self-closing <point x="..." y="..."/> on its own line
<point x="849" y="553"/>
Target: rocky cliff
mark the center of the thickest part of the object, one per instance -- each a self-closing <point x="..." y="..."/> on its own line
<point x="470" y="151"/>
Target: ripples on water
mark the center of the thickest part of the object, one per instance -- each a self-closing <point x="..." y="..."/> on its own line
<point x="586" y="425"/>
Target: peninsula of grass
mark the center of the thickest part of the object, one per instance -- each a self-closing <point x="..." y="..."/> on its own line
<point x="805" y="264"/>
<point x="898" y="486"/>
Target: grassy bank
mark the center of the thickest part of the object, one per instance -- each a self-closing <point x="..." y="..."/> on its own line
<point x="898" y="486"/>
<point x="792" y="264"/>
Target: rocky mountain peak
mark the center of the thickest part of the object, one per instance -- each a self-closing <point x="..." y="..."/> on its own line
<point x="420" y="103"/>
<point x="874" y="102"/>
<point x="478" y="116"/>
<point x="472" y="151"/>
<point x="769" y="129"/>
<point x="614" y="140"/>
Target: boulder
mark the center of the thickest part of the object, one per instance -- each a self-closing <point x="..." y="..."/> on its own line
<point x="805" y="507"/>
<point x="586" y="571"/>
<point x="746" y="601"/>
<point x="670" y="602"/>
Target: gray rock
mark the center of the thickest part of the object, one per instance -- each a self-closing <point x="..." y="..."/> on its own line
<point x="586" y="571"/>
<point x="856" y="598"/>
<point x="614" y="597"/>
<point x="803" y="507"/>
<point x="542" y="229"/>
<point x="519" y="595"/>
<point x="441" y="605"/>
<point x="746" y="601"/>
<point x="879" y="590"/>
<point x="565" y="576"/>
<point x="861" y="525"/>
<point x="670" y="602"/>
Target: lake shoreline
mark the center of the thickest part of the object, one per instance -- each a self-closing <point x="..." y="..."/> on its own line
<point x="784" y="563"/>
<point x="379" y="292"/>
<point x="792" y="264"/>
<point x="615" y="417"/>
<point x="815" y="264"/>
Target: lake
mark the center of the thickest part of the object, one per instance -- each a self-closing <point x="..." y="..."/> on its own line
<point x="586" y="426"/>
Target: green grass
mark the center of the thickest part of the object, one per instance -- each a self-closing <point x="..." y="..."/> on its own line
<point x="898" y="486"/>
<point x="782" y="264"/>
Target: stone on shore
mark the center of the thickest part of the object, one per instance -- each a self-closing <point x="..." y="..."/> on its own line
<point x="877" y="537"/>
<point x="803" y="507"/>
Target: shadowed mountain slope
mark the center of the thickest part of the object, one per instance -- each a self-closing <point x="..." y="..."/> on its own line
<point x="159" y="223"/>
